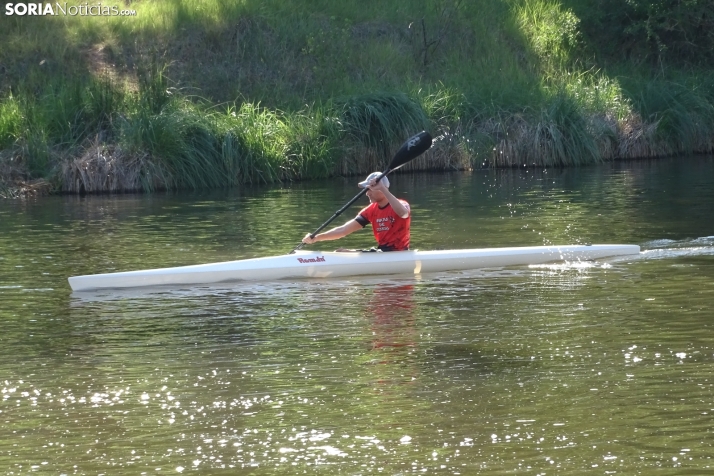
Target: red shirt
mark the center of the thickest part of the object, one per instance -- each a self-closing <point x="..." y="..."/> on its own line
<point x="390" y="230"/>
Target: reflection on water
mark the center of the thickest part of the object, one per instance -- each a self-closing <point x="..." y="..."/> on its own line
<point x="391" y="312"/>
<point x="569" y="368"/>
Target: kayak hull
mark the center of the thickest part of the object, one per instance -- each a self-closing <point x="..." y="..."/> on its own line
<point x="311" y="264"/>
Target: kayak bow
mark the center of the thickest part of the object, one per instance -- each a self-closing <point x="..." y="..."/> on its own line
<point x="311" y="264"/>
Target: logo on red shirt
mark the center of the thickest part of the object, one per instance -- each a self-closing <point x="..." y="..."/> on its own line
<point x="390" y="230"/>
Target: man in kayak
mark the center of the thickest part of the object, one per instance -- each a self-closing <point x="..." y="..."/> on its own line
<point x="389" y="216"/>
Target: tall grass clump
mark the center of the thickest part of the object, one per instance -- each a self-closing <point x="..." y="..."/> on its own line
<point x="103" y="100"/>
<point x="445" y="106"/>
<point x="39" y="131"/>
<point x="180" y="137"/>
<point x="260" y="145"/>
<point x="313" y="139"/>
<point x="683" y="116"/>
<point x="199" y="147"/>
<point x="181" y="140"/>
<point x="261" y="134"/>
<point x="562" y="136"/>
<point x="12" y="121"/>
<point x="453" y="119"/>
<point x="377" y="122"/>
<point x="598" y="94"/>
<point x="606" y="109"/>
<point x="556" y="135"/>
<point x="60" y="114"/>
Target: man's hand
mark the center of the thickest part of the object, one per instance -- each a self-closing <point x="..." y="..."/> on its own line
<point x="309" y="239"/>
<point x="377" y="186"/>
<point x="398" y="207"/>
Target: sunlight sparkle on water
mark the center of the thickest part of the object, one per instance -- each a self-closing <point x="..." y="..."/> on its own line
<point x="512" y="370"/>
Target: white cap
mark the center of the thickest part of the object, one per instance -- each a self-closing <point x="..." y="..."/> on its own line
<point x="374" y="175"/>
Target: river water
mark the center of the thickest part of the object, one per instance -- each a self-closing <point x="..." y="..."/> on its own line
<point x="575" y="368"/>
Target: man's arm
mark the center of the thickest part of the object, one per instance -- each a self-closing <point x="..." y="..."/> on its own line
<point x="397" y="206"/>
<point x="334" y="234"/>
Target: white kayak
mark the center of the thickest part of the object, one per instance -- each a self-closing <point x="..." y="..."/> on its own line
<point x="312" y="264"/>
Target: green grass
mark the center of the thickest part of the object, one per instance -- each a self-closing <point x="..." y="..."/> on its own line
<point x="215" y="93"/>
<point x="684" y="115"/>
<point x="11" y="121"/>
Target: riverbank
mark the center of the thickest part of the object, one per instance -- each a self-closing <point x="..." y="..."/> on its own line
<point x="218" y="94"/>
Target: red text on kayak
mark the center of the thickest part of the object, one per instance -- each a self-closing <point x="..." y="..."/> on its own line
<point x="319" y="259"/>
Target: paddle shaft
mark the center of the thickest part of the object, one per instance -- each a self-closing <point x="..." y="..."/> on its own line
<point x="339" y="212"/>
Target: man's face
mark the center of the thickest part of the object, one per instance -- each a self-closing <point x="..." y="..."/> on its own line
<point x="374" y="195"/>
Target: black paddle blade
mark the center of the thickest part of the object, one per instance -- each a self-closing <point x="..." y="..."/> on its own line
<point x="411" y="149"/>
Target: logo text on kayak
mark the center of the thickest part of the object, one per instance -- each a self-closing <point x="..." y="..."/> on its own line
<point x="319" y="259"/>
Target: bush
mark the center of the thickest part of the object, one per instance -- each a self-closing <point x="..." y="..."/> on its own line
<point x="652" y="31"/>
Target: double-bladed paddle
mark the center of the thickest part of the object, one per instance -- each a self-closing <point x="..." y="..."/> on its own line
<point x="410" y="150"/>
